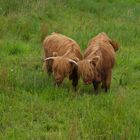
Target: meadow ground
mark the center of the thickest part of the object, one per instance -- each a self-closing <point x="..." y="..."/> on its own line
<point x="31" y="108"/>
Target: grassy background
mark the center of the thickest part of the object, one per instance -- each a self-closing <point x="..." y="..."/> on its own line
<point x="31" y="108"/>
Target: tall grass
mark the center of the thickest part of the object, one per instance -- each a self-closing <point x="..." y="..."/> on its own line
<point x="31" y="107"/>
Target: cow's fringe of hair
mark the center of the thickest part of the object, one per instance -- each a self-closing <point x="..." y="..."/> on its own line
<point x="85" y="69"/>
<point x="65" y="70"/>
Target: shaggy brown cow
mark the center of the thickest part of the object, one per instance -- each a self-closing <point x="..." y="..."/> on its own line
<point x="61" y="55"/>
<point x="99" y="59"/>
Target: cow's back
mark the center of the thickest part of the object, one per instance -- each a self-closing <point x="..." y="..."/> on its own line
<point x="104" y="46"/>
<point x="60" y="44"/>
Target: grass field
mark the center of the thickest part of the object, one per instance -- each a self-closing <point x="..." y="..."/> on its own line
<point x="31" y="108"/>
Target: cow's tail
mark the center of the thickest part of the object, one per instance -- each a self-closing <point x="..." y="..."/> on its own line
<point x="115" y="45"/>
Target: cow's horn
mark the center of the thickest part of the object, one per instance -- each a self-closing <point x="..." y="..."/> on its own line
<point x="49" y="58"/>
<point x="72" y="61"/>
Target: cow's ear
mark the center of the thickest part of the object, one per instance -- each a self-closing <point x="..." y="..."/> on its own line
<point x="55" y="54"/>
<point x="75" y="59"/>
<point x="94" y="61"/>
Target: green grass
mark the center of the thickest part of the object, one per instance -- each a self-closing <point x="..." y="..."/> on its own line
<point x="31" y="108"/>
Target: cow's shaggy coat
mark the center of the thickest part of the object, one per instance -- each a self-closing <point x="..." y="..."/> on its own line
<point x="99" y="59"/>
<point x="61" y="55"/>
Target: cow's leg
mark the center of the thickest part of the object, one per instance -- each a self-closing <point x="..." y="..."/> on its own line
<point x="70" y="77"/>
<point x="74" y="77"/>
<point x="75" y="83"/>
<point x="96" y="85"/>
<point x="49" y="67"/>
<point x="103" y="84"/>
<point x="108" y="80"/>
<point x="46" y="67"/>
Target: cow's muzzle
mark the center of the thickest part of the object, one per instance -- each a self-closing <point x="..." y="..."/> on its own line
<point x="87" y="82"/>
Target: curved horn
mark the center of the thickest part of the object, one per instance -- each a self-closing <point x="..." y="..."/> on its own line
<point x="72" y="61"/>
<point x="49" y="58"/>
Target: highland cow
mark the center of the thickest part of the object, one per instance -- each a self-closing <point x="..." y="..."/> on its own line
<point x="61" y="55"/>
<point x="99" y="59"/>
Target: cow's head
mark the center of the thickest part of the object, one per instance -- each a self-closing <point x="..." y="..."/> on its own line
<point x="87" y="69"/>
<point x="61" y="67"/>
